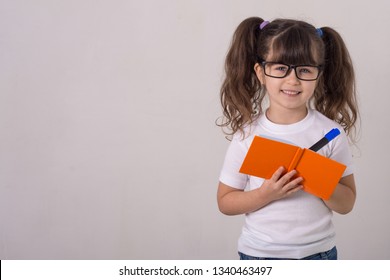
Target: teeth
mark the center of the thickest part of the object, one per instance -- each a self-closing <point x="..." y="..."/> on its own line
<point x="290" y="92"/>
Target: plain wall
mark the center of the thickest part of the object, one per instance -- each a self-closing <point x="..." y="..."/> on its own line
<point x="108" y="142"/>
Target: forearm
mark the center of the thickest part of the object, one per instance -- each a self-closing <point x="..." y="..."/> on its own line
<point x="241" y="202"/>
<point x="343" y="197"/>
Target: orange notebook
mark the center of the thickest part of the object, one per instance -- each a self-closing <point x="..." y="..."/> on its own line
<point x="320" y="174"/>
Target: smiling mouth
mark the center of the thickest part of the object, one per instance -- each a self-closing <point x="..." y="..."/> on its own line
<point x="290" y="92"/>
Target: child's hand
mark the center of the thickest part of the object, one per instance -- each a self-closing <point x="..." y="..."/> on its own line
<point x="281" y="186"/>
<point x="233" y="201"/>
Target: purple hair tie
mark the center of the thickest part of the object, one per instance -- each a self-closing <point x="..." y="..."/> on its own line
<point x="319" y="32"/>
<point x="263" y="24"/>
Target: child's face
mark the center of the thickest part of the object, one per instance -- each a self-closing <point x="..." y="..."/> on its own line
<point x="286" y="93"/>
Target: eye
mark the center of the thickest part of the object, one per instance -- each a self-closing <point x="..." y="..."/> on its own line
<point x="280" y="67"/>
<point x="306" y="70"/>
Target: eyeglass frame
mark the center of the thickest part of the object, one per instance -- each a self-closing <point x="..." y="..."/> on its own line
<point x="319" y="67"/>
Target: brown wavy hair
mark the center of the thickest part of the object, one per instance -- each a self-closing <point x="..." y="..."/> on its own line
<point x="292" y="42"/>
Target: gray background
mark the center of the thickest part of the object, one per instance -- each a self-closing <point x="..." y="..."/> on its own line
<point x="108" y="147"/>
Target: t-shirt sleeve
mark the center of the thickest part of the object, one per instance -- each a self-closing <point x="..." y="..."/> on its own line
<point x="234" y="158"/>
<point x="341" y="152"/>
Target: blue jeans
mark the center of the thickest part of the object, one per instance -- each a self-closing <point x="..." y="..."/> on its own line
<point x="328" y="255"/>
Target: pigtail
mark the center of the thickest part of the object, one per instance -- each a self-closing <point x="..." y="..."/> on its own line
<point x="337" y="98"/>
<point x="240" y="89"/>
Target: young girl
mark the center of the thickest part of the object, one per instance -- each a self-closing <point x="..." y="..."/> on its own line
<point x="308" y="79"/>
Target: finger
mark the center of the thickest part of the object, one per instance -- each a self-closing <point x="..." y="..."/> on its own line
<point x="287" y="177"/>
<point x="278" y="173"/>
<point x="297" y="180"/>
<point x="293" y="186"/>
<point x="294" y="189"/>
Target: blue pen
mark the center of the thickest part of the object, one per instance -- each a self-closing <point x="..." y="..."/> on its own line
<point x="325" y="140"/>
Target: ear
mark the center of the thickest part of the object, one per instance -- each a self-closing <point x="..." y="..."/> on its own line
<point x="259" y="73"/>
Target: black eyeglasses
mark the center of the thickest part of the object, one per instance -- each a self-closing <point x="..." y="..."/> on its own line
<point x="281" y="70"/>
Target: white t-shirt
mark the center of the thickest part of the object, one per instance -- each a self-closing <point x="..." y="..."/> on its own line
<point x="301" y="224"/>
